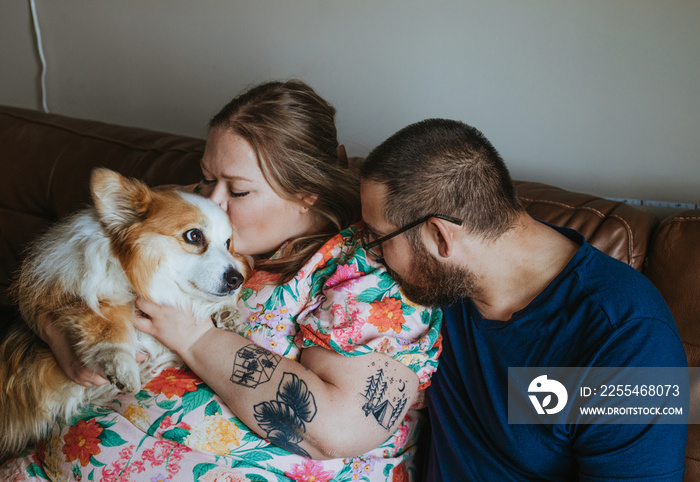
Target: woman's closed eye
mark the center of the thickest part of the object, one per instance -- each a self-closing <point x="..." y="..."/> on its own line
<point x="208" y="182"/>
<point x="238" y="194"/>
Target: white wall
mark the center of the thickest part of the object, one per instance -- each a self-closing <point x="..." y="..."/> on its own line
<point x="600" y="96"/>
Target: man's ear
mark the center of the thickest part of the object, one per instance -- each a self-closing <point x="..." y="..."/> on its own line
<point x="441" y="236"/>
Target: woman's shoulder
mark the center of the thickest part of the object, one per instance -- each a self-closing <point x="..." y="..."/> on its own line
<point x="343" y="252"/>
<point x="358" y="308"/>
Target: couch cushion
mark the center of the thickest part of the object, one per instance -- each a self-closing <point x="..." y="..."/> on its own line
<point x="674" y="267"/>
<point x="619" y="230"/>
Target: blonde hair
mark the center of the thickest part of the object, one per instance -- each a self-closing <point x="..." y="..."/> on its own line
<point x="292" y="132"/>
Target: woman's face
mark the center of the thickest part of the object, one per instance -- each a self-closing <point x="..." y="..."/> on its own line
<point x="262" y="221"/>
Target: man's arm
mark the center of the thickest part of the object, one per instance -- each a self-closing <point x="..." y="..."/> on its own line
<point x="633" y="451"/>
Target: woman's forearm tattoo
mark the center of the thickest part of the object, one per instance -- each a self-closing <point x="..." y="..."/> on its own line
<point x="254" y="365"/>
<point x="284" y="420"/>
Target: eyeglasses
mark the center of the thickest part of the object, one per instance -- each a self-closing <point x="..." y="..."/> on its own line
<point x="374" y="248"/>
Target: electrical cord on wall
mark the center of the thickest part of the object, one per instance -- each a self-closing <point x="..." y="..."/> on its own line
<point x="41" y="55"/>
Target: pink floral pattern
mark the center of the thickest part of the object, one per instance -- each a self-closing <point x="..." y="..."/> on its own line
<point x="309" y="471"/>
<point x="176" y="428"/>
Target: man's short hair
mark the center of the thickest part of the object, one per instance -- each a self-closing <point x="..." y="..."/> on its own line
<point x="444" y="167"/>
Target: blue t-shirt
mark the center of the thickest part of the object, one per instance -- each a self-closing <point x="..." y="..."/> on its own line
<point x="597" y="312"/>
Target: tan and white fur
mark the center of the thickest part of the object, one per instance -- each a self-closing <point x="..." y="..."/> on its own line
<point x="84" y="275"/>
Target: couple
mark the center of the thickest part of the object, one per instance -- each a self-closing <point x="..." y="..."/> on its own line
<point x="344" y="329"/>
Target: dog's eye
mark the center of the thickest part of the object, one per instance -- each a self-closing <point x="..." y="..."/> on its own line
<point x="228" y="244"/>
<point x="193" y="236"/>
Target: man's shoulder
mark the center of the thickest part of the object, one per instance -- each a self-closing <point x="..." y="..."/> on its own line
<point x="635" y="323"/>
<point x="621" y="291"/>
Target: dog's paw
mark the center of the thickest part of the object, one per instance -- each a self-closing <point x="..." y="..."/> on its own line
<point x="120" y="368"/>
<point x="227" y="319"/>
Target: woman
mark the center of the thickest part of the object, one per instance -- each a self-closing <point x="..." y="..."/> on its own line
<point x="331" y="359"/>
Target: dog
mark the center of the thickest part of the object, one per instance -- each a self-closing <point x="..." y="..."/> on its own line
<point x="85" y="273"/>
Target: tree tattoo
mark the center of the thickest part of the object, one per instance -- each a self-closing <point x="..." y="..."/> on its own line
<point x="385" y="409"/>
<point x="253" y="365"/>
<point x="284" y="420"/>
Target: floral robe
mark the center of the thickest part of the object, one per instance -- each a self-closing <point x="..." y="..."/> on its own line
<point x="176" y="428"/>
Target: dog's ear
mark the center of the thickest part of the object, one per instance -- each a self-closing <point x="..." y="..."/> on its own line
<point x="120" y="201"/>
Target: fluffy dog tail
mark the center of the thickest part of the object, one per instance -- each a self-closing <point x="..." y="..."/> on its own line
<point x="28" y="374"/>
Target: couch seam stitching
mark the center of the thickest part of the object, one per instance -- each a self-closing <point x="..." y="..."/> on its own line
<point x="666" y="224"/>
<point x="567" y="206"/>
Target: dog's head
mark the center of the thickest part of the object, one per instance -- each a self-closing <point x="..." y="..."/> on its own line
<point x="176" y="248"/>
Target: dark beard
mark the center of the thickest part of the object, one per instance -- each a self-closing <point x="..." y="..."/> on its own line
<point x="433" y="284"/>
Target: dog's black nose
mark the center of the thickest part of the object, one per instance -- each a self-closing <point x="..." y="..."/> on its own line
<point x="233" y="279"/>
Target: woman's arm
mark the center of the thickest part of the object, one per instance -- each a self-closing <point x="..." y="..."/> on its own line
<point x="63" y="351"/>
<point x="325" y="406"/>
<point x="65" y="356"/>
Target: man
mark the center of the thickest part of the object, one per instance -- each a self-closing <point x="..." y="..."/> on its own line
<point x="441" y="211"/>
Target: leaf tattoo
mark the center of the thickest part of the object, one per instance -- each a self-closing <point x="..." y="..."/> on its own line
<point x="284" y="420"/>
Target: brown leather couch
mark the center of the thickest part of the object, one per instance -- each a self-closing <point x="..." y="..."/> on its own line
<point x="46" y="160"/>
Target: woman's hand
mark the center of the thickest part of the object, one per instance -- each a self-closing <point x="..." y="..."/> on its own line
<point x="176" y="329"/>
<point x="67" y="359"/>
